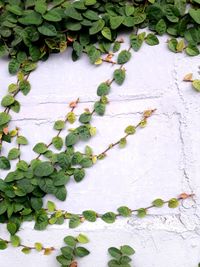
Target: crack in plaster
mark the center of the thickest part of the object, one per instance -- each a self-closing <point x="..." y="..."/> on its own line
<point x="182" y="124"/>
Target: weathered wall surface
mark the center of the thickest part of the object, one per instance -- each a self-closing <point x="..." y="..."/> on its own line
<point x="161" y="160"/>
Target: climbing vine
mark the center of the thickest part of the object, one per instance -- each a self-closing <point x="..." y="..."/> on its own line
<point x="30" y="32"/>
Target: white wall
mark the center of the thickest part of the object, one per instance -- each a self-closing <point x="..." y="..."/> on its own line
<point x="161" y="160"/>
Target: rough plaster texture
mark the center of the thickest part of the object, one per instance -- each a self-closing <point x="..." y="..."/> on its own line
<point x="161" y="160"/>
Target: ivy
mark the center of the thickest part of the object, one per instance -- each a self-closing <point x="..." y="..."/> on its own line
<point x="121" y="256"/>
<point x="70" y="253"/>
<point x="90" y="27"/>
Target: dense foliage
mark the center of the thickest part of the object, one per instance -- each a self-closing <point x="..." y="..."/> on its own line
<point x="29" y="32"/>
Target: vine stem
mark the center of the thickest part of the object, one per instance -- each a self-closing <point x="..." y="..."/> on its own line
<point x="146" y="115"/>
<point x="73" y="106"/>
<point x="109" y="82"/>
<point x="46" y="250"/>
<point x="7" y="109"/>
<point x="65" y="213"/>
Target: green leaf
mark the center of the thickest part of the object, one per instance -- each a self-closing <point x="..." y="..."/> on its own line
<point x="103" y="89"/>
<point x="173" y="203"/>
<point x="119" y="76"/>
<point x="130" y="129"/>
<point x="71" y="139"/>
<point x="67" y="252"/>
<point x="12" y="88"/>
<point x="124" y="211"/>
<point x="116" y="21"/>
<point x="196" y="85"/>
<point x="13" y="66"/>
<point x="74" y="222"/>
<point x="4" y="118"/>
<point x="26" y="250"/>
<point x="172" y="45"/>
<point x="61" y="193"/>
<point x="59" y="125"/>
<point x="43" y="169"/>
<point x="195" y="14"/>
<point x="7" y="100"/>
<point x="52" y="15"/>
<point x="13" y="153"/>
<point x="38" y="246"/>
<point x="24" y="87"/>
<point x="109" y="217"/>
<point x="4" y="163"/>
<point x="57" y="142"/>
<point x="85" y="117"/>
<point x="40" y="7"/>
<point x="3" y="50"/>
<point x="15" y="9"/>
<point x="79" y="174"/>
<point x="15" y="106"/>
<point x="51" y="206"/>
<point x="71" y="12"/>
<point x="97" y="26"/>
<point x="21" y="140"/>
<point x="91" y="15"/>
<point x="61" y="179"/>
<point x="129" y="10"/>
<point x="32" y="18"/>
<point x="40" y="148"/>
<point x="86" y="162"/>
<point x="62" y="260"/>
<point x="151" y="39"/>
<point x="106" y="32"/>
<point x="137" y="41"/>
<point x="161" y="27"/>
<point x="116" y="46"/>
<point x="22" y="165"/>
<point x="71" y="117"/>
<point x="192" y="50"/>
<point x="15" y="241"/>
<point x="70" y="241"/>
<point x="81" y="252"/>
<point x="127" y="250"/>
<point x="123" y="57"/>
<point x="47" y="29"/>
<point x="36" y="203"/>
<point x="99" y="108"/>
<point x="122" y="142"/>
<point x="34" y="52"/>
<point x="12" y="228"/>
<point x="90" y="215"/>
<point x="141" y="213"/>
<point x="3" y="245"/>
<point x="83" y="239"/>
<point x="90" y="2"/>
<point x="115" y="252"/>
<point x="158" y="203"/>
<point x="93" y="53"/>
<point x="139" y="18"/>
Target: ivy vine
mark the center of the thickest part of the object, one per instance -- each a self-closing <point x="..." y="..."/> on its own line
<point x="30" y="31"/>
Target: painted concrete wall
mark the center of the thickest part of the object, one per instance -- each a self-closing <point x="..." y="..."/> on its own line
<point x="161" y="160"/>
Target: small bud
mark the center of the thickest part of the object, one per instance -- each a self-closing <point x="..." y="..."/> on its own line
<point x="188" y="77"/>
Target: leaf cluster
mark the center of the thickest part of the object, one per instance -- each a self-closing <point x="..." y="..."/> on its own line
<point x="121" y="257"/>
<point x="32" y="30"/>
<point x="73" y="250"/>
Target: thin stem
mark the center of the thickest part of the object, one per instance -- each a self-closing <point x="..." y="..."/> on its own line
<point x="7" y="109"/>
<point x="66" y="119"/>
<point x="146" y="115"/>
<point x="30" y="247"/>
<point x="18" y="146"/>
<point x="181" y="197"/>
